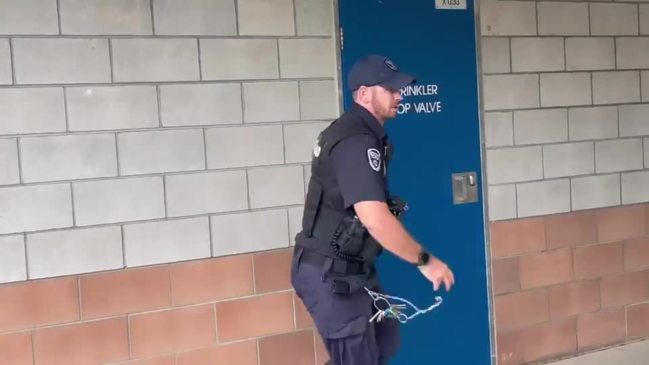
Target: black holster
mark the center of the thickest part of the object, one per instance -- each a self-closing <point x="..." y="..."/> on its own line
<point x="349" y="239"/>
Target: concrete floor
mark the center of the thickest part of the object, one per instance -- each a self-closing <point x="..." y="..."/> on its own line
<point x="632" y="354"/>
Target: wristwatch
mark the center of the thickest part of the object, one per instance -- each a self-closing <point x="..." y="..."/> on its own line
<point x="423" y="258"/>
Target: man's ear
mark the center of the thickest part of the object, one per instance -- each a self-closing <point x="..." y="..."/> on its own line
<point x="364" y="94"/>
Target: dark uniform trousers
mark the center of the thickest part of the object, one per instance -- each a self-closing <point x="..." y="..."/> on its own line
<point x="343" y="319"/>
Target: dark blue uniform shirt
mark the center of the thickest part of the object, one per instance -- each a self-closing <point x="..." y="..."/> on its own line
<point x="359" y="162"/>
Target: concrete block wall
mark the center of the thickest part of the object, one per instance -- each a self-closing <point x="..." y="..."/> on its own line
<point x="566" y="120"/>
<point x="570" y="283"/>
<point x="153" y="160"/>
<point x="238" y="310"/>
<point x="566" y="100"/>
<point x="139" y="132"/>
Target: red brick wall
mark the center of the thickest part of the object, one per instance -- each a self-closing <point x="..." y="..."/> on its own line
<point x="231" y="310"/>
<point x="563" y="284"/>
<point x="569" y="283"/>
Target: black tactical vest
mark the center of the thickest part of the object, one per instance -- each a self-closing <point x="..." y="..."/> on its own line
<point x="324" y="206"/>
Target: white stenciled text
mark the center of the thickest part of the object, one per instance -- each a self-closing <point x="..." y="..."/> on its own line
<point x="424" y="99"/>
<point x="419" y="90"/>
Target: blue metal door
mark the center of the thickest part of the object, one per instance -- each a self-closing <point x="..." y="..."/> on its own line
<point x="435" y="135"/>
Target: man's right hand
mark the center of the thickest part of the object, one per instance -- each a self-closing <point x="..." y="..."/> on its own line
<point x="390" y="233"/>
<point x="438" y="272"/>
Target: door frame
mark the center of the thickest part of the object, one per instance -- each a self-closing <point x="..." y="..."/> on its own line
<point x="338" y="36"/>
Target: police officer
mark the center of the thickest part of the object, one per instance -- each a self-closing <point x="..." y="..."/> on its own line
<point x="350" y="217"/>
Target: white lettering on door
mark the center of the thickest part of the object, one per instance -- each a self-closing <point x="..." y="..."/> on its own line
<point x="428" y="92"/>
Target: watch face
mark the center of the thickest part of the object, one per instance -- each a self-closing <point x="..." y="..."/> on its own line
<point x="423" y="258"/>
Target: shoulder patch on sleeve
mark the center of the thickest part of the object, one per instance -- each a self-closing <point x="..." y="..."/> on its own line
<point x="316" y="147"/>
<point x="374" y="158"/>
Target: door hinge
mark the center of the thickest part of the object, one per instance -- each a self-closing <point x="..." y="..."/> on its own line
<point x="342" y="39"/>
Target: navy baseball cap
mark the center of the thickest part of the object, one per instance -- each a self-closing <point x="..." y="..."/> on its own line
<point x="377" y="70"/>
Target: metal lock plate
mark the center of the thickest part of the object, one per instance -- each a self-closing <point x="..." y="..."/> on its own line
<point x="465" y="187"/>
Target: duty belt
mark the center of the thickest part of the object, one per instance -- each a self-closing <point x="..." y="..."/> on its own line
<point x="339" y="266"/>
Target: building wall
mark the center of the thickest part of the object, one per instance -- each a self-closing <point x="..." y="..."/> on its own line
<point x="565" y="92"/>
<point x="135" y="134"/>
<point x="566" y="86"/>
<point x="154" y="153"/>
